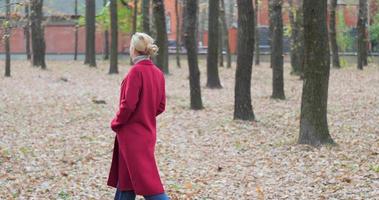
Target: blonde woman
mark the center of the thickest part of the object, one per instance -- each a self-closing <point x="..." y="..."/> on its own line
<point x="142" y="98"/>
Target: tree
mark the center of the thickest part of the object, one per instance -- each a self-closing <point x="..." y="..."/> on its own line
<point x="160" y="25"/>
<point x="7" y="35"/>
<point x="90" y="54"/>
<point x="190" y="23"/>
<point x="313" y="119"/>
<point x="27" y="31"/>
<point x="362" y="34"/>
<point x="243" y="108"/>
<point x="220" y="43"/>
<point x="276" y="27"/>
<point x="177" y="34"/>
<point x="135" y="15"/>
<point x="106" y="39"/>
<point x="226" y="35"/>
<point x="333" y="34"/>
<point x="113" y="68"/>
<point x="76" y="40"/>
<point x="146" y="16"/>
<point x="213" y="79"/>
<point x="37" y="34"/>
<point x="297" y="36"/>
<point x="257" y="50"/>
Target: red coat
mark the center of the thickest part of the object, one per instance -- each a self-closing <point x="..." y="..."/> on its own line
<point x="142" y="98"/>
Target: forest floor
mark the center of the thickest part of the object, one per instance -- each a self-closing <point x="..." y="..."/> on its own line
<point x="55" y="142"/>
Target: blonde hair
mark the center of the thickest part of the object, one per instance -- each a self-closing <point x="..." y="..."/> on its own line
<point x="143" y="44"/>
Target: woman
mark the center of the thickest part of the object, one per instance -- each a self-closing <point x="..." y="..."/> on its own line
<point x="134" y="170"/>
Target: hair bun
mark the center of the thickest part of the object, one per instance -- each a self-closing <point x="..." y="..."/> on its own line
<point x="152" y="49"/>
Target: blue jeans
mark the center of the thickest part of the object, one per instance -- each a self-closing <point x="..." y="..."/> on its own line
<point x="130" y="195"/>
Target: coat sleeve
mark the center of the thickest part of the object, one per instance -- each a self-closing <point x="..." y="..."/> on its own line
<point x="131" y="89"/>
<point x="162" y="103"/>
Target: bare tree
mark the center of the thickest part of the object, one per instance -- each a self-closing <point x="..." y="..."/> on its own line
<point x="190" y="23"/>
<point x="243" y="108"/>
<point x="313" y="119"/>
<point x="257" y="50"/>
<point x="213" y="79"/>
<point x="7" y="35"/>
<point x="76" y="40"/>
<point x="113" y="68"/>
<point x="27" y="31"/>
<point x="106" y="39"/>
<point x="37" y="34"/>
<point x="276" y="27"/>
<point x="362" y="34"/>
<point x="90" y="54"/>
<point x="297" y="36"/>
<point x="333" y="34"/>
<point x="177" y="34"/>
<point x="146" y="16"/>
<point x="226" y="35"/>
<point x="160" y="25"/>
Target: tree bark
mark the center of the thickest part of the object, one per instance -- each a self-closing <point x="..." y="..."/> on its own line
<point x="190" y="23"/>
<point x="333" y="34"/>
<point x="106" y="39"/>
<point x="135" y="13"/>
<point x="220" y="43"/>
<point x="257" y="50"/>
<point x="297" y="36"/>
<point x="146" y="16"/>
<point x="226" y="35"/>
<point x="160" y="25"/>
<point x="37" y="34"/>
<point x="313" y="120"/>
<point x="243" y="109"/>
<point x="276" y="26"/>
<point x="178" y="43"/>
<point x="76" y="40"/>
<point x="213" y="79"/>
<point x="113" y="68"/>
<point x="27" y="31"/>
<point x="362" y="34"/>
<point x="7" y="36"/>
<point x="90" y="57"/>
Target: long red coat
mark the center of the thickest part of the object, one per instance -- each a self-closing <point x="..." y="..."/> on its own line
<point x="142" y="98"/>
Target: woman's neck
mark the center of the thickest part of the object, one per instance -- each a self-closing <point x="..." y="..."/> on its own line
<point x="140" y="58"/>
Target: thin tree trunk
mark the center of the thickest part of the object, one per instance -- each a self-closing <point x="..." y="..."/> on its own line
<point x="333" y="34"/>
<point x="362" y="34"/>
<point x="160" y="25"/>
<point x="191" y="46"/>
<point x="146" y="16"/>
<point x="220" y="44"/>
<point x="106" y="39"/>
<point x="213" y="79"/>
<point x="27" y="31"/>
<point x="113" y="68"/>
<point x="297" y="36"/>
<point x="76" y="40"/>
<point x="243" y="109"/>
<point x="256" y="20"/>
<point x="313" y="119"/>
<point x="178" y="43"/>
<point x="6" y="39"/>
<point x="37" y="34"/>
<point x="226" y="35"/>
<point x="90" y="33"/>
<point x="276" y="24"/>
<point x="135" y="13"/>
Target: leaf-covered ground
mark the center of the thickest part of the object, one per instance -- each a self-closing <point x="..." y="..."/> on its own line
<point x="55" y="142"/>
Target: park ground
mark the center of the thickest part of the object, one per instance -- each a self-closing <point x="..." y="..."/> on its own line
<point x="55" y="140"/>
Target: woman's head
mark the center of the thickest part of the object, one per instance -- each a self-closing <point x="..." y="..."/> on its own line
<point x="142" y="44"/>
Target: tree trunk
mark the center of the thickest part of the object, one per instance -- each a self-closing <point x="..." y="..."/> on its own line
<point x="220" y="44"/>
<point x="313" y="120"/>
<point x="106" y="39"/>
<point x="178" y="43"/>
<point x="160" y="25"/>
<point x="362" y="34"/>
<point x="7" y="36"/>
<point x="113" y="68"/>
<point x="243" y="108"/>
<point x="297" y="36"/>
<point x="257" y="50"/>
<point x="135" y="15"/>
<point x="27" y="31"/>
<point x="276" y="26"/>
<point x="76" y="40"/>
<point x="37" y="34"/>
<point x="191" y="46"/>
<point x="226" y="35"/>
<point x="213" y="79"/>
<point x="146" y="16"/>
<point x="333" y="34"/>
<point x="90" y="57"/>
